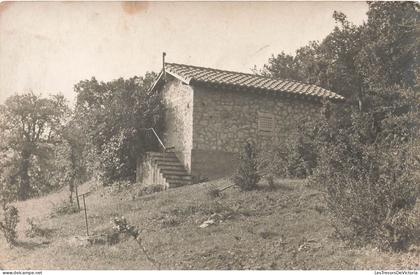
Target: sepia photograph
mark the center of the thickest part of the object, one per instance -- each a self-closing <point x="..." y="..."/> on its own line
<point x="209" y="135"/>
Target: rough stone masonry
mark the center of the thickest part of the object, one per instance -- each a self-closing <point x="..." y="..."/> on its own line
<point x="209" y="126"/>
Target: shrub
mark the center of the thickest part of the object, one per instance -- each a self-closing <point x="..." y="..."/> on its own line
<point x="214" y="192"/>
<point x="35" y="230"/>
<point x="170" y="222"/>
<point x="153" y="188"/>
<point x="122" y="226"/>
<point x="118" y="186"/>
<point x="9" y="224"/>
<point x="294" y="157"/>
<point x="270" y="182"/>
<point x="65" y="208"/>
<point x="370" y="183"/>
<point x="247" y="175"/>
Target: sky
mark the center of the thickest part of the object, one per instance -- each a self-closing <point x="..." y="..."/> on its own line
<point x="48" y="47"/>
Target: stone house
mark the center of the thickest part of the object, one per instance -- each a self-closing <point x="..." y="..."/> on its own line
<point x="211" y="114"/>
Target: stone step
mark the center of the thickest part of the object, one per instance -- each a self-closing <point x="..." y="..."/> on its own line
<point x="174" y="164"/>
<point x="158" y="154"/>
<point x="171" y="160"/>
<point x="164" y="164"/>
<point x="177" y="177"/>
<point x="171" y="168"/>
<point x="173" y="171"/>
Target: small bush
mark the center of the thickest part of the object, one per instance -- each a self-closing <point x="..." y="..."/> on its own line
<point x="9" y="224"/>
<point x="122" y="226"/>
<point x="170" y="222"/>
<point x="154" y="188"/>
<point x="118" y="186"/>
<point x="270" y="182"/>
<point x="112" y="238"/>
<point x="294" y="157"/>
<point x="214" y="192"/>
<point x="247" y="175"/>
<point x="122" y="185"/>
<point x="35" y="230"/>
<point x="370" y="188"/>
<point x="65" y="208"/>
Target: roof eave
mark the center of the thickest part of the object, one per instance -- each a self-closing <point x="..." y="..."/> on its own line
<point x="160" y="78"/>
<point x="337" y="99"/>
<point x="157" y="81"/>
<point x="185" y="80"/>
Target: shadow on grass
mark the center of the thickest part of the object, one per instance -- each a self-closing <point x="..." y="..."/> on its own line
<point x="275" y="187"/>
<point x="41" y="232"/>
<point x="30" y="245"/>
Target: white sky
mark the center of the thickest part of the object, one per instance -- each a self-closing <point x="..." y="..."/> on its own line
<point x="47" y="47"/>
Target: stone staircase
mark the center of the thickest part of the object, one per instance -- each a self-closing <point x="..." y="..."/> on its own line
<point x="168" y="170"/>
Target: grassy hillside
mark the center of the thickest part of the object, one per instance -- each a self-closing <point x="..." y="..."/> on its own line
<point x="285" y="228"/>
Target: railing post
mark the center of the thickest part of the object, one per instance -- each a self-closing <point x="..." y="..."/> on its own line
<point x="77" y="196"/>
<point x="86" y="219"/>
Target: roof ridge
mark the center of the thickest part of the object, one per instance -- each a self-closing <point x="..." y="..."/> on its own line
<point x="219" y="70"/>
<point x="227" y="77"/>
<point x="236" y="72"/>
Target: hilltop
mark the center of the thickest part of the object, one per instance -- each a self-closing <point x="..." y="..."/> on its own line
<point x="282" y="228"/>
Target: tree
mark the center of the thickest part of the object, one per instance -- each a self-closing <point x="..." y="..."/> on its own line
<point x="247" y="175"/>
<point x="30" y="127"/>
<point x="388" y="55"/>
<point x="70" y="167"/>
<point x="329" y="64"/>
<point x="113" y="117"/>
<point x="365" y="166"/>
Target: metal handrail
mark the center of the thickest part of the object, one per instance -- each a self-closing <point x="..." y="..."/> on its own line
<point x="156" y="135"/>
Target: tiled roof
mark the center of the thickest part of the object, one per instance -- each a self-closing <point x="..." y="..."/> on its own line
<point x="213" y="77"/>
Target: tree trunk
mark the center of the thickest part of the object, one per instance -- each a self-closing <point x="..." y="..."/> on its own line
<point x="71" y="188"/>
<point x="24" y="186"/>
<point x="71" y="195"/>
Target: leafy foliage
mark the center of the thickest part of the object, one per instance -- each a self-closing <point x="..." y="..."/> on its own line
<point x="295" y="157"/>
<point x="113" y="117"/>
<point x="9" y="224"/>
<point x="352" y="58"/>
<point x="122" y="226"/>
<point x="30" y="127"/>
<point x="36" y="230"/>
<point x="247" y="175"/>
<point x="64" y="208"/>
<point x="364" y="148"/>
<point x="369" y="180"/>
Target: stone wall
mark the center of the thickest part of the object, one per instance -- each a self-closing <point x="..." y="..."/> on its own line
<point x="224" y="120"/>
<point x="178" y="99"/>
<point x="212" y="164"/>
<point x="209" y="127"/>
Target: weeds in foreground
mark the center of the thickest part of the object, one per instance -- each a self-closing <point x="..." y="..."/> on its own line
<point x="214" y="192"/>
<point x="65" y="208"/>
<point x="170" y="222"/>
<point x="35" y="230"/>
<point x="121" y="226"/>
<point x="147" y="190"/>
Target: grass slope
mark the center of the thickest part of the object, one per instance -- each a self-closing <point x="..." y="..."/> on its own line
<point x="285" y="228"/>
